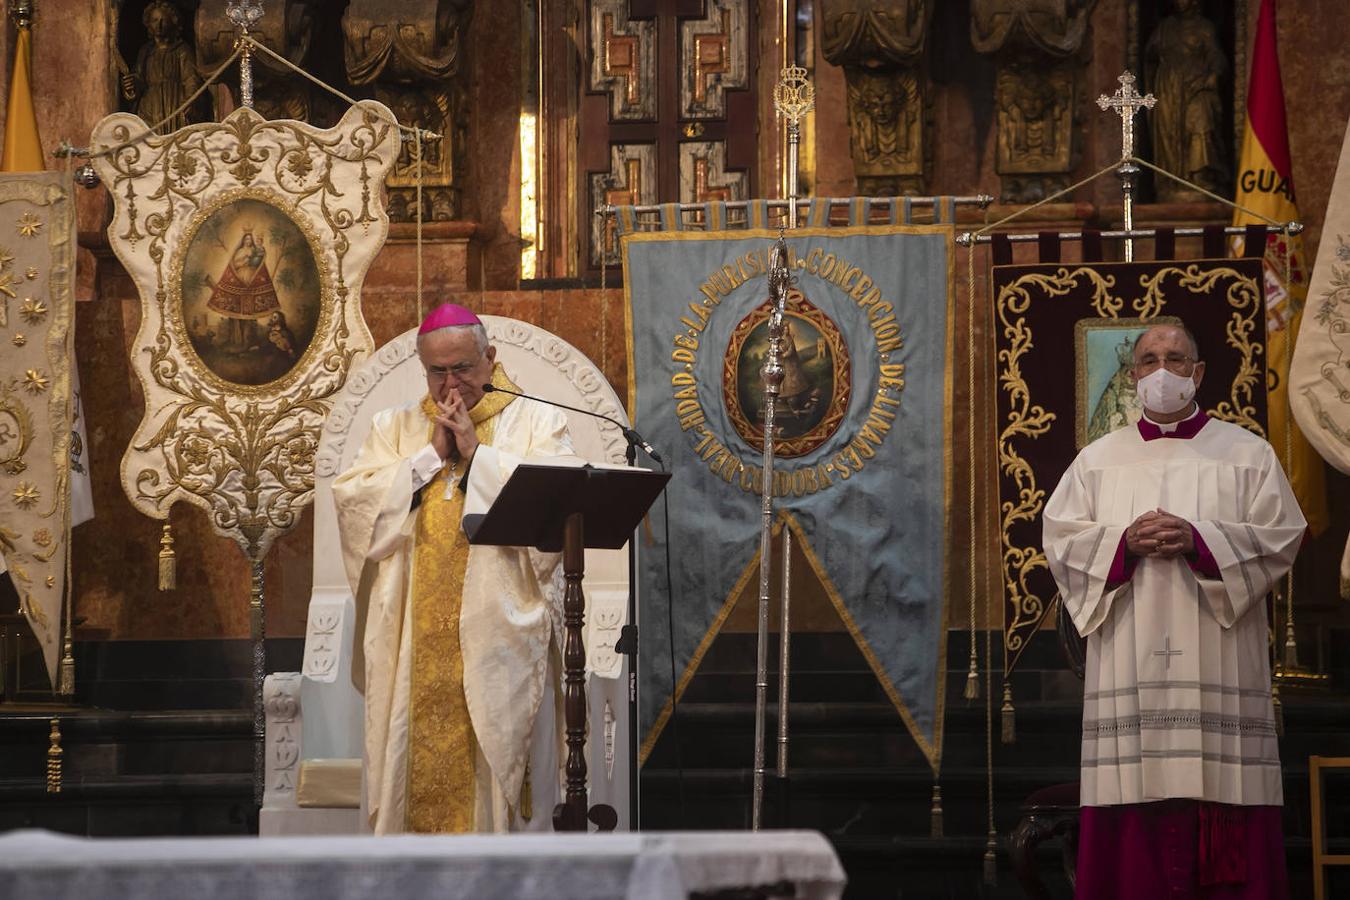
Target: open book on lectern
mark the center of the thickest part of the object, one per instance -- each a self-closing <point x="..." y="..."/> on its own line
<point x="534" y="504"/>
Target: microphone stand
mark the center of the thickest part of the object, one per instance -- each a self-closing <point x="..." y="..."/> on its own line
<point x="627" y="644"/>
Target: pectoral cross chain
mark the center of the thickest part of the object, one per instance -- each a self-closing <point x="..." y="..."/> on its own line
<point x="1167" y="652"/>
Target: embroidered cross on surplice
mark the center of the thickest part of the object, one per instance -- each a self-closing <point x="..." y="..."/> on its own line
<point x="1167" y="652"/>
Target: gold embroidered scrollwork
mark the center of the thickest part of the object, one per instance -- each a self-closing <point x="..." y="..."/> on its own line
<point x="1244" y="298"/>
<point x="1029" y="420"/>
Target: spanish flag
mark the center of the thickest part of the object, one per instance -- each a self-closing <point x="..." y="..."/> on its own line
<point x="1265" y="184"/>
<point x="23" y="149"/>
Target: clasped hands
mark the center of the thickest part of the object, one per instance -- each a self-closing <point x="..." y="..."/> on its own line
<point x="1159" y="534"/>
<point x="453" y="435"/>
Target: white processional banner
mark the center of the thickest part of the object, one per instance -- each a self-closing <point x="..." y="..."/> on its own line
<point x="1319" y="375"/>
<point x="248" y="241"/>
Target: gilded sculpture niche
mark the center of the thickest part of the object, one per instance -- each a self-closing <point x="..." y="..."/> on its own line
<point x="1037" y="46"/>
<point x="881" y="44"/>
<point x="1185" y="68"/>
<point x="408" y="53"/>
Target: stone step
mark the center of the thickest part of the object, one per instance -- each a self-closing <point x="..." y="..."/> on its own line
<point x="132" y="805"/>
<point x="104" y="743"/>
<point x="873" y="734"/>
<point x="854" y="801"/>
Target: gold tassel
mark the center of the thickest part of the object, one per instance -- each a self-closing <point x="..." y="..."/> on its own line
<point x="1009" y="732"/>
<point x="526" y="797"/>
<point x="1279" y="709"/>
<point x="67" y="676"/>
<point x="972" y="682"/>
<point x="54" y="759"/>
<point x="168" y="575"/>
<point x="1290" y="647"/>
<point x="935" y="814"/>
<point x="991" y="861"/>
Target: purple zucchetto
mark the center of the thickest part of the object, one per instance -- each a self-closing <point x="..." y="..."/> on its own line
<point x="448" y="315"/>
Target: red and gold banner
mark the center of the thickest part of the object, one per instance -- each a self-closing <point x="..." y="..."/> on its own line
<point x="1265" y="185"/>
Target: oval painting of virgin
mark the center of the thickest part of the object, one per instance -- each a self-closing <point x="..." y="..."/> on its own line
<point x="251" y="292"/>
<point x="816" y="386"/>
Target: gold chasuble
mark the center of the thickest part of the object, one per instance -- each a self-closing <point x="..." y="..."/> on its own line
<point x="442" y="745"/>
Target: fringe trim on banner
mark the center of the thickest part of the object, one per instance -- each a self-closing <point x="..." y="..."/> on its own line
<point x="168" y="574"/>
<point x="935" y="814"/>
<point x="991" y="860"/>
<point x="972" y="691"/>
<point x="1009" y="731"/>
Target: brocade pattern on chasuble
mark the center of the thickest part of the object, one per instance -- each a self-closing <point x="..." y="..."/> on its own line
<point x="1064" y="336"/>
<point x="37" y="246"/>
<point x="248" y="241"/>
<point x="441" y="741"/>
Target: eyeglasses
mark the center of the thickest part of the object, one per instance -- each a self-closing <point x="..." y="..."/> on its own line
<point x="1176" y="363"/>
<point x="457" y="371"/>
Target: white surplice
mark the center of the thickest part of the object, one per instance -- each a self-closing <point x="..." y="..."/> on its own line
<point x="1177" y="690"/>
<point x="510" y="613"/>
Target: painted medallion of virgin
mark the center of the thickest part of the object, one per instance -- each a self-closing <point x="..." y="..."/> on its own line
<point x="251" y="292"/>
<point x="816" y="386"/>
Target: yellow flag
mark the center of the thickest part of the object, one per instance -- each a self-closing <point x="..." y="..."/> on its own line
<point x="1265" y="185"/>
<point x="23" y="149"/>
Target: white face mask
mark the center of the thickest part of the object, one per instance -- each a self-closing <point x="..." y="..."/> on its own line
<point x="1165" y="392"/>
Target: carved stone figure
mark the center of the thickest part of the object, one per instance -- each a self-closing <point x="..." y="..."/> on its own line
<point x="164" y="75"/>
<point x="880" y="45"/>
<point x="1036" y="46"/>
<point x="409" y="51"/>
<point x="286" y="28"/>
<point x="1184" y="67"/>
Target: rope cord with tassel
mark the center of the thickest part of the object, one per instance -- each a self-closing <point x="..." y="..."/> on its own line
<point x="972" y="690"/>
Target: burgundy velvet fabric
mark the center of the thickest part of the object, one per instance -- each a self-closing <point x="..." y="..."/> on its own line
<point x="1181" y="849"/>
<point x="1184" y="431"/>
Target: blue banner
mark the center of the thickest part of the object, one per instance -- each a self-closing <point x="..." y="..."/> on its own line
<point x="863" y="468"/>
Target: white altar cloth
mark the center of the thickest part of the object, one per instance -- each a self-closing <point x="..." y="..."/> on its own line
<point x="639" y="866"/>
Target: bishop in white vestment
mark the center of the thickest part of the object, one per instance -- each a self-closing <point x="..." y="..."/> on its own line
<point x="462" y="730"/>
<point x="1164" y="539"/>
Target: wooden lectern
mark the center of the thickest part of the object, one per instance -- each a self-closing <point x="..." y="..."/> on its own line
<point x="570" y="509"/>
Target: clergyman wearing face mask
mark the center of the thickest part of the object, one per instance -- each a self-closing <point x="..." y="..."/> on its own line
<point x="1164" y="538"/>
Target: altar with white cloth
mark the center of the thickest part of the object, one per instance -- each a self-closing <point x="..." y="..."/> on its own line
<point x="644" y="866"/>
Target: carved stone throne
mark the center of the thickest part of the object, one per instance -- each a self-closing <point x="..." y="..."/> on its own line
<point x="315" y="717"/>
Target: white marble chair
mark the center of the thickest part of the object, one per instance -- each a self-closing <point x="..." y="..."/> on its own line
<point x="314" y="717"/>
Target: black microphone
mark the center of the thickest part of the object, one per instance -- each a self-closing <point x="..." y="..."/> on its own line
<point x="633" y="438"/>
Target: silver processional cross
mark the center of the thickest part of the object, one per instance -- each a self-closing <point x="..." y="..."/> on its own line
<point x="1126" y="101"/>
<point x="1167" y="652"/>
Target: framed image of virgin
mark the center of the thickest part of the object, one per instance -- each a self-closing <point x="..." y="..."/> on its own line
<point x="1103" y="352"/>
<point x="249" y="289"/>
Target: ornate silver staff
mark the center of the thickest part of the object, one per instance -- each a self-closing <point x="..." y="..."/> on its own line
<point x="1127" y="102"/>
<point x="793" y="97"/>
<point x="243" y="15"/>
